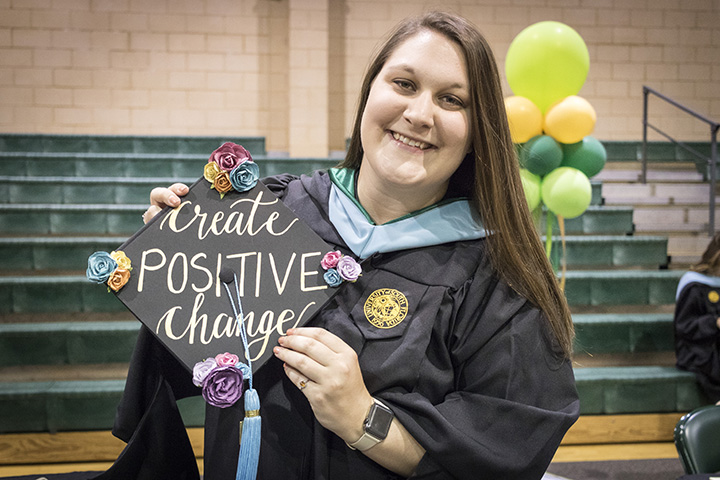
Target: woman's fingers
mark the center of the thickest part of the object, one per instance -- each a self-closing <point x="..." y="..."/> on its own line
<point x="150" y="213"/>
<point x="161" y="197"/>
<point x="297" y="378"/>
<point x="331" y="341"/>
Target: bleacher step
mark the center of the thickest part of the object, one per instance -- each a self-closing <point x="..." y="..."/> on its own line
<point x="90" y="405"/>
<point x="623" y="333"/>
<point x="35" y="142"/>
<point x="140" y="165"/>
<point x="67" y="343"/>
<point x="630" y="287"/>
<point x="72" y="405"/>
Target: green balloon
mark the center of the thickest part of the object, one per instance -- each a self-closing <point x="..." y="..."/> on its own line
<point x="547" y="62"/>
<point x="588" y="156"/>
<point x="566" y="192"/>
<point x="541" y="155"/>
<point x="531" y="185"/>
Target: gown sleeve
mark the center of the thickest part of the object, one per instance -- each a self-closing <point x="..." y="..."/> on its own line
<point x="514" y="395"/>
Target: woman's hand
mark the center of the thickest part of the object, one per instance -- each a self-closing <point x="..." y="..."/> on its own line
<point x="161" y="197"/>
<point x="326" y="369"/>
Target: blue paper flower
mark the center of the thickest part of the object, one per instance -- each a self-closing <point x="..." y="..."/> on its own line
<point x="332" y="278"/>
<point x="100" y="266"/>
<point x="245" y="176"/>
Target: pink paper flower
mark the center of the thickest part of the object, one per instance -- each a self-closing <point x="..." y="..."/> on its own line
<point x="229" y="359"/>
<point x="229" y="155"/>
<point x="330" y="260"/>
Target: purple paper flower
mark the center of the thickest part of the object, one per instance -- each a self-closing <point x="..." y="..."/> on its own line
<point x="348" y="268"/>
<point x="330" y="260"/>
<point x="223" y="386"/>
<point x="201" y="370"/>
<point x="332" y="277"/>
<point x="100" y="266"/>
<point x="245" y="176"/>
<point x="229" y="155"/>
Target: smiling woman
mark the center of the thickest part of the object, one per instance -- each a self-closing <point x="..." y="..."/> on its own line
<point x="448" y="357"/>
<point x="415" y="128"/>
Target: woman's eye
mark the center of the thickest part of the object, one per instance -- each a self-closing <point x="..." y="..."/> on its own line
<point x="453" y="101"/>
<point x="404" y="84"/>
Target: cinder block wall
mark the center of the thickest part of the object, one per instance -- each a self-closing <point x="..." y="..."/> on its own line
<point x="290" y="70"/>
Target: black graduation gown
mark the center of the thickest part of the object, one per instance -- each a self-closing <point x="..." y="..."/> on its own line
<point x="470" y="371"/>
<point x="697" y="337"/>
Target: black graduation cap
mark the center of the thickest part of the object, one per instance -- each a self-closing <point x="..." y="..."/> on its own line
<point x="188" y="262"/>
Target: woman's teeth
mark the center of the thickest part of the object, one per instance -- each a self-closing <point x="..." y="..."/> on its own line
<point x="407" y="141"/>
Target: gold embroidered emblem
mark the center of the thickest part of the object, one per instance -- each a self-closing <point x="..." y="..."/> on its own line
<point x="386" y="308"/>
<point x="713" y="296"/>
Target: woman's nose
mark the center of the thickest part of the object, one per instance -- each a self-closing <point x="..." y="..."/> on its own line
<point x="419" y="110"/>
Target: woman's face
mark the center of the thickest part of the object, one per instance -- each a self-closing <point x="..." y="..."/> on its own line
<point x="415" y="127"/>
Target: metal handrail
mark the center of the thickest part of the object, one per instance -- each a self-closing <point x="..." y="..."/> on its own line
<point x="711" y="160"/>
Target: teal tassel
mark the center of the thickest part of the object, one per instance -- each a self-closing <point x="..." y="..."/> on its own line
<point x="250" y="438"/>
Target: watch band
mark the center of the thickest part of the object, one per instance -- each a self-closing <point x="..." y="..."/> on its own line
<point x="364" y="443"/>
<point x="368" y="440"/>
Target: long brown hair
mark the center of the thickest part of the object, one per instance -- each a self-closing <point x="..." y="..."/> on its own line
<point x="489" y="174"/>
<point x="710" y="260"/>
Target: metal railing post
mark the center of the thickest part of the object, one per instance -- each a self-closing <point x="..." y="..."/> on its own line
<point x="644" y="142"/>
<point x="713" y="177"/>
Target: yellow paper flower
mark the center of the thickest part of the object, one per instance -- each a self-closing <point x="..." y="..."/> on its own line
<point x="211" y="171"/>
<point x="122" y="260"/>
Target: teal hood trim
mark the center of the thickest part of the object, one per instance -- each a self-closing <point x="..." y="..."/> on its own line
<point x="695" y="277"/>
<point x="447" y="221"/>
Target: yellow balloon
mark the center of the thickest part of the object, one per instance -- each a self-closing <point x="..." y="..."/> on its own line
<point x="570" y="120"/>
<point x="524" y="117"/>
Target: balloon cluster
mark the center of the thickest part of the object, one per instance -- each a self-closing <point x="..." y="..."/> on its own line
<point x="546" y="66"/>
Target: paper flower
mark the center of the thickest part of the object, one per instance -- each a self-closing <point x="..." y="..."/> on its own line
<point x="211" y="171"/>
<point x="222" y="183"/>
<point x="227" y="359"/>
<point x="348" y="268"/>
<point x="332" y="278"/>
<point x="122" y="260"/>
<point x="245" y="176"/>
<point x="201" y="370"/>
<point x="230" y="167"/>
<point x="100" y="267"/>
<point x="229" y="155"/>
<point x="110" y="268"/>
<point x="221" y="379"/>
<point x="223" y="386"/>
<point x="339" y="267"/>
<point x="118" y="279"/>
<point x="330" y="260"/>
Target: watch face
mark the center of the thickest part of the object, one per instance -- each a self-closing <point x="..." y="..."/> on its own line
<point x="378" y="421"/>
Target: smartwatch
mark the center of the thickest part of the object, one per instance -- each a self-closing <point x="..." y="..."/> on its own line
<point x="375" y="427"/>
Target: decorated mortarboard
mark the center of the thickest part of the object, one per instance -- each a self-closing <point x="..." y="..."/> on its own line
<point x="219" y="278"/>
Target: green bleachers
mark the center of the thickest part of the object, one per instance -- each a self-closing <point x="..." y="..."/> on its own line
<point x="31" y="144"/>
<point x="71" y="252"/>
<point x="72" y="405"/>
<point x="63" y="197"/>
<point x="623" y="333"/>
